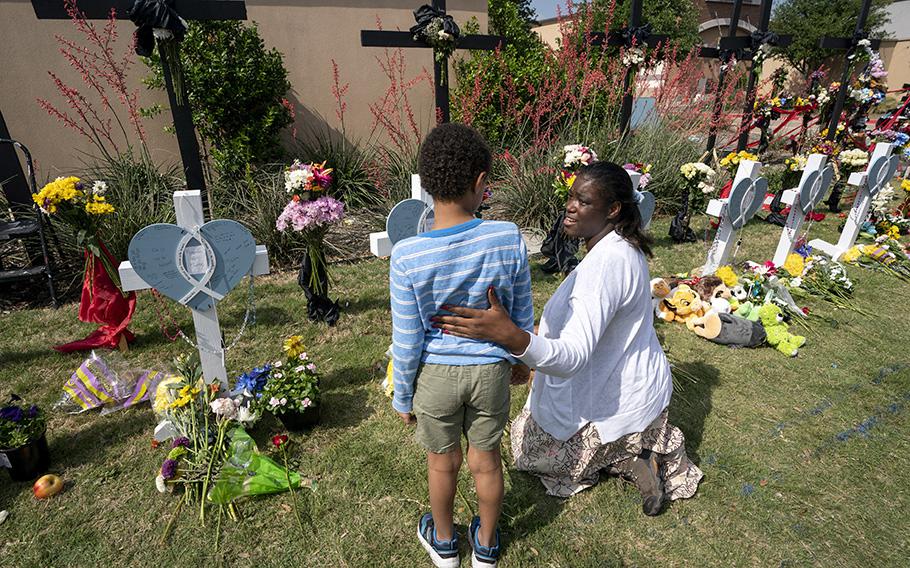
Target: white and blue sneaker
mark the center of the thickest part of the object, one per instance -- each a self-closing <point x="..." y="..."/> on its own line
<point x="483" y="556"/>
<point x="443" y="553"/>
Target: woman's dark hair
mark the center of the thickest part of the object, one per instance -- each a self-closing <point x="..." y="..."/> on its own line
<point x="613" y="184"/>
<point x="451" y="157"/>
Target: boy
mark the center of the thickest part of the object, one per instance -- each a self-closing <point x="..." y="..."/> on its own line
<point x="446" y="384"/>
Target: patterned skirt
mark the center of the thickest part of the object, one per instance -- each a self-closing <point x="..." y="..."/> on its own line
<point x="565" y="468"/>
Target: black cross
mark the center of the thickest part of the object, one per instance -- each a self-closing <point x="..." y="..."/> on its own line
<point x="627" y="37"/>
<point x="749" y="46"/>
<point x="380" y="38"/>
<point x="849" y="44"/>
<point x="726" y="57"/>
<point x="180" y="110"/>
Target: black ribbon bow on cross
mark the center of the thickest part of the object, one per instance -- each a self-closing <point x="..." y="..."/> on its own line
<point x="637" y="36"/>
<point x="760" y="38"/>
<point x="426" y="14"/>
<point x="149" y="15"/>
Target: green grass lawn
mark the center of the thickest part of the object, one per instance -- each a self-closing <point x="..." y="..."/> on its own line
<point x="806" y="460"/>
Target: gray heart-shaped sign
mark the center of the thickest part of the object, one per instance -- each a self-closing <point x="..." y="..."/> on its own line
<point x="404" y="219"/>
<point x="646" y="206"/>
<point x="880" y="172"/>
<point x="195" y="270"/>
<point x="745" y="200"/>
<point x="814" y="187"/>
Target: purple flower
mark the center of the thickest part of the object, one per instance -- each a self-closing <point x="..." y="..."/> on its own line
<point x="182" y="441"/>
<point x="308" y="215"/>
<point x="169" y="469"/>
<point x="12" y="413"/>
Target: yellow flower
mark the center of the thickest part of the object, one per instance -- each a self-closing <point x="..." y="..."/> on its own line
<point x="293" y="346"/>
<point x="726" y="274"/>
<point x="163" y="394"/>
<point x="794" y="264"/>
<point x="905" y="185"/>
<point x="98" y="208"/>
<point x="851" y="255"/>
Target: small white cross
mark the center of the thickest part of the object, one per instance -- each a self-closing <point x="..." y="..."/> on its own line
<point x="813" y="185"/>
<point x="746" y="199"/>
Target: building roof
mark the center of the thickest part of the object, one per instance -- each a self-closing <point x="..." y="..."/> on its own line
<point x="899" y="26"/>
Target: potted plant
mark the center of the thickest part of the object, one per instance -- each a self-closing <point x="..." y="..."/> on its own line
<point x="23" y="445"/>
<point x="292" y="390"/>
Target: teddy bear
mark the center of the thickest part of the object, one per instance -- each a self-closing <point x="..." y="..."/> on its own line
<point x="778" y="332"/>
<point x="727" y="329"/>
<point x="660" y="289"/>
<point x="715" y="293"/>
<point x="683" y="303"/>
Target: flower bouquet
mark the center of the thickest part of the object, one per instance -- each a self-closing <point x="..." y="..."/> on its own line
<point x="84" y="208"/>
<point x="310" y="212"/>
<point x="558" y="249"/>
<point x="698" y="183"/>
<point x="886" y="255"/>
<point x="730" y="162"/>
<point x="211" y="461"/>
<point x="23" y="445"/>
<point x="292" y="390"/>
<point x="641" y="168"/>
<point x="438" y="30"/>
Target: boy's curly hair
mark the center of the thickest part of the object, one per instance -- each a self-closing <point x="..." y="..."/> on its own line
<point x="451" y="158"/>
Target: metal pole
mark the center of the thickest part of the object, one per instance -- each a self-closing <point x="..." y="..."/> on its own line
<point x="750" y="91"/>
<point x="718" y="102"/>
<point x="845" y="76"/>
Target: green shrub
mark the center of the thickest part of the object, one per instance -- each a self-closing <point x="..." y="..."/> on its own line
<point x="236" y="88"/>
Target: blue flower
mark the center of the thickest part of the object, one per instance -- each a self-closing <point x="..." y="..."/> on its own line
<point x="12" y="413"/>
<point x="255" y="380"/>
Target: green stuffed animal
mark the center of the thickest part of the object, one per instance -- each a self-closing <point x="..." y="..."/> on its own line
<point x="778" y="335"/>
<point x="747" y="310"/>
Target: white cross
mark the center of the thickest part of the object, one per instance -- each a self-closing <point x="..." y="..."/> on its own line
<point x="813" y="185"/>
<point x="188" y="207"/>
<point x="746" y="197"/>
<point x="882" y="167"/>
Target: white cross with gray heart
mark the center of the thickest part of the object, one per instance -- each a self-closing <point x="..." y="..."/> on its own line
<point x="812" y="188"/>
<point x="882" y="167"/>
<point x="745" y="199"/>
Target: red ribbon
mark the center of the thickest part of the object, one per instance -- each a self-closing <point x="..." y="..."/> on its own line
<point x="102" y="303"/>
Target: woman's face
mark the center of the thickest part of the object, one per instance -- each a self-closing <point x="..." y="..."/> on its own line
<point x="586" y="211"/>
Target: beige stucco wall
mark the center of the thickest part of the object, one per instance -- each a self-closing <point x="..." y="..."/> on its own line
<point x="896" y="56"/>
<point x="310" y="33"/>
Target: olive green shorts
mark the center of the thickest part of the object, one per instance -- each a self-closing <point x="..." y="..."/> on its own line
<point x="472" y="399"/>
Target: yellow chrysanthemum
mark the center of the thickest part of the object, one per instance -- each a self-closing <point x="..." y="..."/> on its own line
<point x="794" y="265"/>
<point x="851" y="255"/>
<point x="293" y="346"/>
<point x="726" y="274"/>
<point x="905" y="185"/>
<point x="98" y="208"/>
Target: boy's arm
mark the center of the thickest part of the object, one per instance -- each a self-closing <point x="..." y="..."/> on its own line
<point x="522" y="302"/>
<point x="407" y="337"/>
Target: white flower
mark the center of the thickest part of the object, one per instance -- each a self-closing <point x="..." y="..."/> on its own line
<point x="311" y="368"/>
<point x="160" y="484"/>
<point x="297" y="179"/>
<point x="796" y="282"/>
<point x="302" y="356"/>
<point x="277" y="364"/>
<point x="299" y="369"/>
<point x="306" y="402"/>
<point x="224" y="407"/>
<point x="864" y="43"/>
<point x="444" y="35"/>
<point x="274" y="402"/>
<point x="283" y="401"/>
<point x="246" y="416"/>
<point x="99" y="188"/>
<point x="279" y="375"/>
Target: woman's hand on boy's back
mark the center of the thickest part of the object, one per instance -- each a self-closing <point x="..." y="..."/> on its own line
<point x="493" y="324"/>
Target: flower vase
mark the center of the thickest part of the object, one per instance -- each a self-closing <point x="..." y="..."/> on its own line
<point x="314" y="279"/>
<point x="29" y="461"/>
<point x="297" y="420"/>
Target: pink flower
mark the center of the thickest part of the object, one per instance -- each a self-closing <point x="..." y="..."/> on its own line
<point x="309" y="215"/>
<point x="306" y="402"/>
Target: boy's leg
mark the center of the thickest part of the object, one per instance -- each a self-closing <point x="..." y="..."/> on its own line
<point x="486" y="468"/>
<point x="443" y="479"/>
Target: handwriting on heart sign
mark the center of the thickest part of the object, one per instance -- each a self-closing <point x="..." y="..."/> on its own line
<point x="193" y="268"/>
<point x="745" y="200"/>
<point x="813" y="188"/>
<point x="880" y="172"/>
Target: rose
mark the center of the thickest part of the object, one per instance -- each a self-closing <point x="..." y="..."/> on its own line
<point x="279" y="440"/>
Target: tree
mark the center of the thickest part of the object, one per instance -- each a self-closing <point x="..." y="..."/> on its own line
<point x="675" y="18"/>
<point x="810" y="20"/>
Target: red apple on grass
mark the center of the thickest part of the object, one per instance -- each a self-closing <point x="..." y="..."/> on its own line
<point x="47" y="486"/>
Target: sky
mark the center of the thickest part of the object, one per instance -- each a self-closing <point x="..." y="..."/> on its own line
<point x="546" y="8"/>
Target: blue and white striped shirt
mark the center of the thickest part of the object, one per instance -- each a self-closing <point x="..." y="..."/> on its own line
<point x="453" y="266"/>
